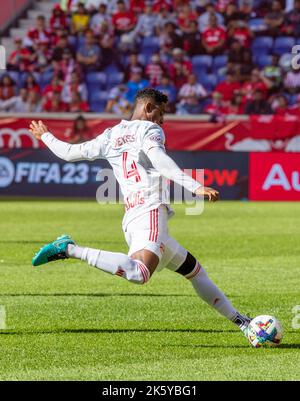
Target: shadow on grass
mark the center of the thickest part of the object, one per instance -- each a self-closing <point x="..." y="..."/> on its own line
<point x="283" y="346"/>
<point x="113" y="331"/>
<point x="97" y="295"/>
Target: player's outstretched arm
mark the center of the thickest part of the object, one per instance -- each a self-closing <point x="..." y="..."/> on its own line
<point x="169" y="169"/>
<point x="90" y="150"/>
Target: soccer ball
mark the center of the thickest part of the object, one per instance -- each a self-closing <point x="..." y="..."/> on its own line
<point x="264" y="331"/>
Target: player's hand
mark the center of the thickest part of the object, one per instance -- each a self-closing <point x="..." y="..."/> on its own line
<point x="37" y="129"/>
<point x="211" y="194"/>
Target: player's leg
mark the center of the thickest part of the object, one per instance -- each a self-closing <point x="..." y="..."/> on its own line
<point x="142" y="237"/>
<point x="137" y="270"/>
<point x="182" y="262"/>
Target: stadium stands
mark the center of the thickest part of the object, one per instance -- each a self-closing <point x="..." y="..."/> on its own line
<point x="93" y="40"/>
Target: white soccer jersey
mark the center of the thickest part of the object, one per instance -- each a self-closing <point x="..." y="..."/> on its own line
<point x="126" y="147"/>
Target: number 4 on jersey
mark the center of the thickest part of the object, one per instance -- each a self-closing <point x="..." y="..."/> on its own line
<point x="132" y="171"/>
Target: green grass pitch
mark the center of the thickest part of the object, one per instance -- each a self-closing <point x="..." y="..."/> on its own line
<point x="68" y="321"/>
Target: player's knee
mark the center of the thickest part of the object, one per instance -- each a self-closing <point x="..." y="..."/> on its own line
<point x="190" y="267"/>
<point x="137" y="272"/>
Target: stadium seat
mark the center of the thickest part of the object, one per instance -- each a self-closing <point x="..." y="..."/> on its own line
<point x="257" y="24"/>
<point x="199" y="72"/>
<point x="262" y="44"/>
<point x="80" y="42"/>
<point x="262" y="60"/>
<point x="283" y="44"/>
<point x="97" y="79"/>
<point x="98" y="100"/>
<point x="97" y="107"/>
<point x="72" y="41"/>
<point x="219" y="62"/>
<point x="291" y="98"/>
<point x="150" y="45"/>
<point x="114" y="79"/>
<point x="111" y="69"/>
<point x="220" y="78"/>
<point x="14" y="76"/>
<point x="45" y="78"/>
<point x="202" y="61"/>
<point x="209" y="81"/>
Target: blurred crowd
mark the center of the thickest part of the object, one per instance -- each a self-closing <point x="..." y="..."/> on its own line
<point x="94" y="55"/>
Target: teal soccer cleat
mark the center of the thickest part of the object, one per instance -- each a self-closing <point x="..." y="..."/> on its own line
<point x="54" y="251"/>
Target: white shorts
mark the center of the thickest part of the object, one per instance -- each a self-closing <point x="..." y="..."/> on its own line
<point x="150" y="231"/>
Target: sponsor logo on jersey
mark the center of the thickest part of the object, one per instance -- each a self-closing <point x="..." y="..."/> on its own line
<point x="156" y="138"/>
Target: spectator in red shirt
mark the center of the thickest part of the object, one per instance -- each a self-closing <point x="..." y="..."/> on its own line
<point x="257" y="82"/>
<point x="58" y="19"/>
<point x="77" y="104"/>
<point x="155" y="70"/>
<point x="214" y="37"/>
<point x="237" y="104"/>
<point x="215" y="108"/>
<point x="40" y="32"/>
<point x="185" y="17"/>
<point x="137" y="6"/>
<point x="239" y="30"/>
<point x="55" y="86"/>
<point x="227" y="87"/>
<point x="21" y="58"/>
<point x="279" y="105"/>
<point x="158" y="5"/>
<point x="180" y="69"/>
<point x="55" y="104"/>
<point x="123" y="20"/>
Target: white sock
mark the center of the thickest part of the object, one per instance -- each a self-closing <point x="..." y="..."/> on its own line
<point x="118" y="264"/>
<point x="211" y="294"/>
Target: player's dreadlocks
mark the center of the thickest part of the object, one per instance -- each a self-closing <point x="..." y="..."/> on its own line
<point x="149" y="93"/>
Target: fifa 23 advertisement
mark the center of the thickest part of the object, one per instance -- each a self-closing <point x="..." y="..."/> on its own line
<point x="36" y="172"/>
<point x="274" y="176"/>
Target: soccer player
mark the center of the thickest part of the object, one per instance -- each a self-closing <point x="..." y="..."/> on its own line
<point x="135" y="150"/>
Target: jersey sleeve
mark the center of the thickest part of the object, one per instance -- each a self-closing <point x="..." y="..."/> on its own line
<point x="90" y="150"/>
<point x="154" y="137"/>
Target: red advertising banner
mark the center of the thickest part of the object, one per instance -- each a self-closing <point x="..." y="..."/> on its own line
<point x="258" y="134"/>
<point x="274" y="176"/>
